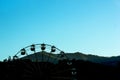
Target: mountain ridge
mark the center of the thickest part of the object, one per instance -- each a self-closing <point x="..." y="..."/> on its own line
<point x="114" y="60"/>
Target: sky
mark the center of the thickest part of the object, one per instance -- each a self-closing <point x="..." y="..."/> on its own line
<point x="87" y="26"/>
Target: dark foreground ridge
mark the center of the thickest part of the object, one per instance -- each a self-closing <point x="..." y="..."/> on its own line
<point x="64" y="70"/>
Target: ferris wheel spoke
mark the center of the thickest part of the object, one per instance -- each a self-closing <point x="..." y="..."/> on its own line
<point x="48" y="57"/>
<point x="28" y="67"/>
<point x="57" y="67"/>
<point x="55" y="59"/>
<point x="33" y="72"/>
<point x="27" y="71"/>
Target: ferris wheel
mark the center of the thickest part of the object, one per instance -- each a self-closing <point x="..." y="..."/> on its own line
<point x="40" y="53"/>
<point x="44" y="61"/>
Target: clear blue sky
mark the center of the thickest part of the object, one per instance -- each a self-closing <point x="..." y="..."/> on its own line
<point x="88" y="26"/>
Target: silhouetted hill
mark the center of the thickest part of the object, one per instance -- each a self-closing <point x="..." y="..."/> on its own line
<point x="77" y="56"/>
<point x="94" y="58"/>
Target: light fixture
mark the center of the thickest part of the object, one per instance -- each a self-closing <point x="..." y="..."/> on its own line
<point x="69" y="62"/>
<point x="74" y="72"/>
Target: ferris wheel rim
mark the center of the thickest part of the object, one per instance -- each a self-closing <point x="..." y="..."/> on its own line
<point x="40" y="44"/>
